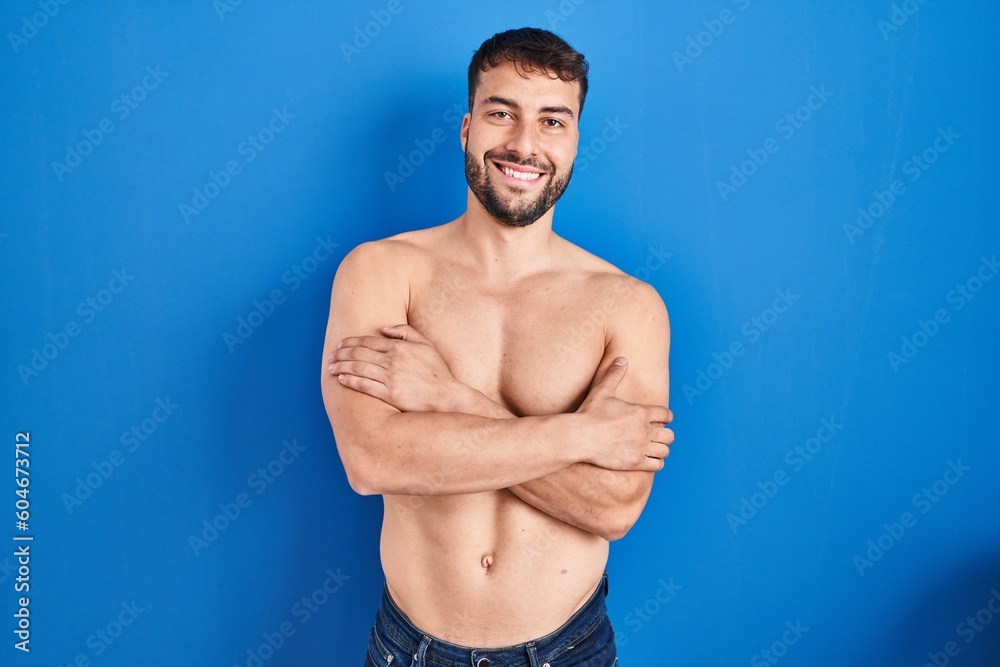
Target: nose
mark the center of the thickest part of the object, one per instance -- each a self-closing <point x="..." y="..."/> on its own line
<point x="523" y="139"/>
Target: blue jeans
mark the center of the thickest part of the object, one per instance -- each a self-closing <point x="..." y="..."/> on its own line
<point x="585" y="640"/>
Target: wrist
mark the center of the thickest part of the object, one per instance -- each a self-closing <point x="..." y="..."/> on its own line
<point x="460" y="397"/>
<point x="576" y="430"/>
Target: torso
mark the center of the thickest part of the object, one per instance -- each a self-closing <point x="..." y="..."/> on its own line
<point x="488" y="569"/>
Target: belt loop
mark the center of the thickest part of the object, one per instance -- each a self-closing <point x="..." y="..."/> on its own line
<point x="532" y="655"/>
<point x="419" y="658"/>
<point x="606" y="587"/>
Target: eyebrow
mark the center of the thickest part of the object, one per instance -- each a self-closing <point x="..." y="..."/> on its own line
<point x="503" y="101"/>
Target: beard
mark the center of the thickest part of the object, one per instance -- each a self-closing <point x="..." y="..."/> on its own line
<point x="512" y="212"/>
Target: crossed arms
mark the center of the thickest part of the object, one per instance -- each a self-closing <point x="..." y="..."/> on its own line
<point x="405" y="426"/>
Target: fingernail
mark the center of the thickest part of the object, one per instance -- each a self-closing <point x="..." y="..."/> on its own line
<point x="340" y="344"/>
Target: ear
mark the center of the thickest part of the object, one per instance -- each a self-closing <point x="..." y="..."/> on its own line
<point x="464" y="132"/>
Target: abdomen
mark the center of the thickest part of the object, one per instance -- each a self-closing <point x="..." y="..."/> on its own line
<point x="486" y="569"/>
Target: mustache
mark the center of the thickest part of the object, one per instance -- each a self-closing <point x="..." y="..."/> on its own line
<point x="504" y="156"/>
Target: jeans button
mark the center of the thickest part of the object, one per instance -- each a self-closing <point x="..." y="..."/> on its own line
<point x="483" y="662"/>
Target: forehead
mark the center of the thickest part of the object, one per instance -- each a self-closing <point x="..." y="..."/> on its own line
<point x="532" y="90"/>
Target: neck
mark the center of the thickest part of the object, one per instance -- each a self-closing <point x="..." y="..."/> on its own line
<point x="501" y="250"/>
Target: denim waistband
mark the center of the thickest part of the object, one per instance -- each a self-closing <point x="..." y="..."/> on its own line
<point x="438" y="652"/>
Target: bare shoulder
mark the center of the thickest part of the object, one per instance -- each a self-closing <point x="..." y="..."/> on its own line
<point x="633" y="301"/>
<point x="393" y="258"/>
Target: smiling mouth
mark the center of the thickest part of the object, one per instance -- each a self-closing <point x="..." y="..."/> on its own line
<point x="524" y="176"/>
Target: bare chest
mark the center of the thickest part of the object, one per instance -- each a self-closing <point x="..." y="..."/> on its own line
<point x="532" y="347"/>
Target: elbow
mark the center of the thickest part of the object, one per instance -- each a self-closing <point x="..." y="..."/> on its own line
<point x="361" y="471"/>
<point x="363" y="457"/>
<point x="617" y="520"/>
<point x="617" y="528"/>
<point x="357" y="476"/>
<point x="610" y="522"/>
<point x="371" y="475"/>
<point x="360" y="484"/>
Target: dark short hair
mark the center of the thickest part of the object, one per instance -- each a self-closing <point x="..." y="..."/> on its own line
<point x="531" y="50"/>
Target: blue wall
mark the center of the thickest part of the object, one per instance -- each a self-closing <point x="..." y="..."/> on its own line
<point x="810" y="186"/>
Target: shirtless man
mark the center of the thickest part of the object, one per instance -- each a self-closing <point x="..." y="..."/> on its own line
<point x="506" y="432"/>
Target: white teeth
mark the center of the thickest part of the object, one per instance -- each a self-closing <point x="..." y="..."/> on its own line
<point x="523" y="175"/>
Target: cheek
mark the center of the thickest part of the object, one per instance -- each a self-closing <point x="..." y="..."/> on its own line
<point x="568" y="157"/>
<point x="570" y="150"/>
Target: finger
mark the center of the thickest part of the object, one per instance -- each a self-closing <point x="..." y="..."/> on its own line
<point x="662" y="435"/>
<point x="658" y="450"/>
<point x="660" y="415"/>
<point x="404" y="332"/>
<point x="371" y="342"/>
<point x="364" y="385"/>
<point x="360" y="354"/>
<point x="360" y="369"/>
<point x="612" y="377"/>
<point x="654" y="463"/>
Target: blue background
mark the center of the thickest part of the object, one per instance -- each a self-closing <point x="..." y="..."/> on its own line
<point x="676" y="104"/>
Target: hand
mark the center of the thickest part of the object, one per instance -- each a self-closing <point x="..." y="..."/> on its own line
<point x="403" y="369"/>
<point x="626" y="436"/>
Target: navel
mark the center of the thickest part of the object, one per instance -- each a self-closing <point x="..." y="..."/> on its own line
<point x="487" y="562"/>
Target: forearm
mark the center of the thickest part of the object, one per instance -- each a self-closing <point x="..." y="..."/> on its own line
<point x="603" y="502"/>
<point x="444" y="453"/>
